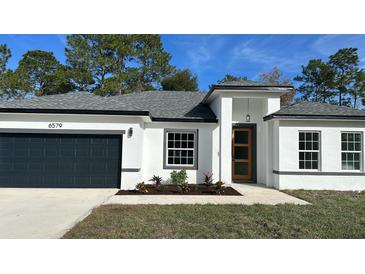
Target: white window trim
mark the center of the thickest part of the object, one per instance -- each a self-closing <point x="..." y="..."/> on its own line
<point x="194" y="166"/>
<point x="319" y="150"/>
<point x="361" y="152"/>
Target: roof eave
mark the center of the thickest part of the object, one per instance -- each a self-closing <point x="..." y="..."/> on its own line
<point x="190" y="120"/>
<point x="107" y="112"/>
<point x="314" y="117"/>
<point x="277" y="88"/>
<point x="75" y="111"/>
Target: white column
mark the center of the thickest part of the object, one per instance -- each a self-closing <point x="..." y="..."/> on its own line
<point x="226" y="140"/>
<point x="273" y="104"/>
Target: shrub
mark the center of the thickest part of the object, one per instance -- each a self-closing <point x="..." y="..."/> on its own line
<point x="141" y="187"/>
<point x="179" y="178"/>
<point x="157" y="180"/>
<point x="219" y="187"/>
<point x="208" y="178"/>
<point x="183" y="187"/>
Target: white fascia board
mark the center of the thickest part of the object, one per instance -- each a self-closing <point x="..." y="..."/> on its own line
<point x="246" y="94"/>
<point x="145" y="119"/>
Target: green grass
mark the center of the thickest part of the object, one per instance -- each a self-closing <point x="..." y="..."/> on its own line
<point x="332" y="215"/>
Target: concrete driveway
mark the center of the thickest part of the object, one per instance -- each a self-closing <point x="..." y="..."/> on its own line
<point x="45" y="213"/>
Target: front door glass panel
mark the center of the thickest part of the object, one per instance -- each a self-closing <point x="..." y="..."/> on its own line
<point x="242" y="154"/>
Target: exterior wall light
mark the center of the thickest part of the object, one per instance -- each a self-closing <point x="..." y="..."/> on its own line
<point x="130" y="132"/>
<point x="248" y="117"/>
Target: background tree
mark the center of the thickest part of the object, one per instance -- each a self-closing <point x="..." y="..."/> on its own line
<point x="152" y="62"/>
<point x="181" y="80"/>
<point x="317" y="80"/>
<point x="40" y="73"/>
<point x="358" y="90"/>
<point x="339" y="81"/>
<point x="9" y="81"/>
<point x="345" y="64"/>
<point x="230" y="77"/>
<point x="10" y="86"/>
<point x="276" y="77"/>
<point x="116" y="64"/>
<point x="98" y="62"/>
<point x="5" y="54"/>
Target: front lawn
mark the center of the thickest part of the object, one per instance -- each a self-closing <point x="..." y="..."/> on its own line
<point x="332" y="215"/>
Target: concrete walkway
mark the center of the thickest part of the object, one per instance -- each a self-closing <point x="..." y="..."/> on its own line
<point x="252" y="194"/>
<point x="45" y="213"/>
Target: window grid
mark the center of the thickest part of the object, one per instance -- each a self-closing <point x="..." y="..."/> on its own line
<point x="180" y="148"/>
<point x="351" y="147"/>
<point x="309" y="147"/>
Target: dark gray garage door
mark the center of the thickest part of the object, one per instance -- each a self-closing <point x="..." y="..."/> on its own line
<point x="53" y="160"/>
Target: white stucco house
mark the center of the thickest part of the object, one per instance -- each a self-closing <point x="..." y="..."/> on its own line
<point x="237" y="131"/>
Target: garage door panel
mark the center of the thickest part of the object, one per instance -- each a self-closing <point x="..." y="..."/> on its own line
<point x="49" y="160"/>
<point x="35" y="155"/>
<point x="66" y="165"/>
<point x="83" y="141"/>
<point x="5" y="166"/>
<point x="51" y="153"/>
<point x="35" y="180"/>
<point x="35" y="167"/>
<point x="36" y="140"/>
<point x="52" y="141"/>
<point x="51" y="166"/>
<point x="19" y="152"/>
<point x="21" y="165"/>
<point x="98" y="179"/>
<point x="82" y="167"/>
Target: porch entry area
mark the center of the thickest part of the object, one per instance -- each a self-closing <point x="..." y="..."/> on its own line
<point x="244" y="153"/>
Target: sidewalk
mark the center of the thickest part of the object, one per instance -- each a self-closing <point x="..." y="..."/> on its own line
<point x="252" y="194"/>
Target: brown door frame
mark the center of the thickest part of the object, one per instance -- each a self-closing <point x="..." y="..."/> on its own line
<point x="252" y="153"/>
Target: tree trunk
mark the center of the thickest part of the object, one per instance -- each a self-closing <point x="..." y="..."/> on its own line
<point x="340" y="97"/>
<point x="355" y="101"/>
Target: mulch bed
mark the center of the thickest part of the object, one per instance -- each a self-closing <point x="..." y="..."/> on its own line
<point x="195" y="189"/>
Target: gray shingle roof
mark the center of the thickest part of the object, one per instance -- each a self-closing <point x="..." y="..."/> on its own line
<point x="243" y="85"/>
<point x="315" y="110"/>
<point x="160" y="105"/>
<point x="248" y="83"/>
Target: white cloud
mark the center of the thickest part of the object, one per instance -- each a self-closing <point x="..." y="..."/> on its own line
<point x="252" y="52"/>
<point x="201" y="50"/>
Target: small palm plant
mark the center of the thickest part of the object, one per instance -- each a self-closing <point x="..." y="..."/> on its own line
<point x="157" y="180"/>
<point x="208" y="178"/>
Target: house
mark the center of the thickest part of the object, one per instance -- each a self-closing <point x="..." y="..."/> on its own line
<point x="236" y="130"/>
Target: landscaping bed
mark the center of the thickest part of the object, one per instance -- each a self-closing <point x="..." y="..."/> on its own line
<point x="194" y="189"/>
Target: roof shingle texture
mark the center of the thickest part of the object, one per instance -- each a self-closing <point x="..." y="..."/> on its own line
<point x="248" y="83"/>
<point x="160" y="104"/>
<point x="318" y="109"/>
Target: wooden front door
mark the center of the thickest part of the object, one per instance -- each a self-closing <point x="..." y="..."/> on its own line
<point x="242" y="154"/>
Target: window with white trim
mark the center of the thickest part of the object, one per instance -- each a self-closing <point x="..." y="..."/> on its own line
<point x="309" y="148"/>
<point x="351" y="150"/>
<point x="181" y="148"/>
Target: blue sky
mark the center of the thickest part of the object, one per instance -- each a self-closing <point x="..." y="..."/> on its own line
<point x="213" y="56"/>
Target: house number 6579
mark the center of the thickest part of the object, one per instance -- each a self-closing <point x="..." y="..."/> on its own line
<point x="55" y="125"/>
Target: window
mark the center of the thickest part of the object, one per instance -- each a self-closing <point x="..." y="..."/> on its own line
<point x="309" y="147"/>
<point x="351" y="147"/>
<point x="181" y="149"/>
